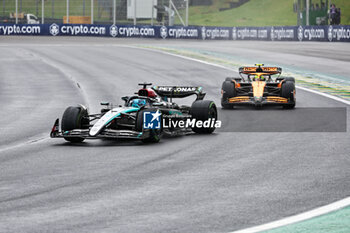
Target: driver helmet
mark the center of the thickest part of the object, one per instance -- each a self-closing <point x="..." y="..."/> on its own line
<point x="138" y="103"/>
<point x="261" y="78"/>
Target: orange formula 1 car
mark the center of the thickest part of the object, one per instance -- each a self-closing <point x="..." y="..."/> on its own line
<point x="257" y="87"/>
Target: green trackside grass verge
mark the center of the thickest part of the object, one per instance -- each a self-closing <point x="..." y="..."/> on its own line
<point x="314" y="83"/>
<point x="334" y="222"/>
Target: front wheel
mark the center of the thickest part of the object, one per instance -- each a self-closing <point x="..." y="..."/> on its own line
<point x="288" y="92"/>
<point x="228" y="91"/>
<point x="75" y="117"/>
<point x="204" y="110"/>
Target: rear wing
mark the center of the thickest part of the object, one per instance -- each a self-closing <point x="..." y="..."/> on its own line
<point x="267" y="70"/>
<point x="179" y="91"/>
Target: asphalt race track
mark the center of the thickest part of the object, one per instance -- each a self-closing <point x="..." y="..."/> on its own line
<point x="238" y="177"/>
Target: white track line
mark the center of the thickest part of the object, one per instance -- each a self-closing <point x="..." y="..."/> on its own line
<point x="296" y="218"/>
<point x="325" y="95"/>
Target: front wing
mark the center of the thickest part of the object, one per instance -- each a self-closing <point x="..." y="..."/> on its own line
<point x="106" y="133"/>
<point x="247" y="100"/>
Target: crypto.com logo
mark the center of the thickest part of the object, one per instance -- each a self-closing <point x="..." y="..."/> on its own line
<point x="330" y="33"/>
<point x="234" y="33"/>
<point x="54" y="29"/>
<point x="113" y="30"/>
<point x="163" y="32"/>
<point x="300" y="33"/>
<point x="204" y="33"/>
<point x="272" y="34"/>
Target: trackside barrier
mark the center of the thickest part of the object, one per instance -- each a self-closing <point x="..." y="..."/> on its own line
<point x="290" y="33"/>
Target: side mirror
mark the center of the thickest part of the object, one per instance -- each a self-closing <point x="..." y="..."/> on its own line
<point x="125" y="98"/>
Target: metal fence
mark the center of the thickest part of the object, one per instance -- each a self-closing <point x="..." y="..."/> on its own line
<point x="155" y="12"/>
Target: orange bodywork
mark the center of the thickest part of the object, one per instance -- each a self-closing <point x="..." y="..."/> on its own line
<point x="258" y="88"/>
<point x="276" y="99"/>
<point x="270" y="70"/>
<point x="238" y="99"/>
<point x="259" y="78"/>
<point x="280" y="84"/>
<point x="269" y="99"/>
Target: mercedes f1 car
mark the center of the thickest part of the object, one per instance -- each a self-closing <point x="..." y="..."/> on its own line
<point x="141" y="116"/>
<point x="255" y="86"/>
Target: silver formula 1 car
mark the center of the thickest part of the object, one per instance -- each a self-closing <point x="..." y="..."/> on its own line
<point x="145" y="116"/>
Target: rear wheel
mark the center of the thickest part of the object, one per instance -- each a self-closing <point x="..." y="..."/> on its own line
<point x="288" y="92"/>
<point x="228" y="91"/>
<point x="155" y="134"/>
<point x="76" y="117"/>
<point x="204" y="110"/>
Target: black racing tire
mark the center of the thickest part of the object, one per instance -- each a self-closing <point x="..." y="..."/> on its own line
<point x="228" y="91"/>
<point x="289" y="79"/>
<point x="155" y="134"/>
<point x="75" y="117"/>
<point x="288" y="92"/>
<point x="204" y="110"/>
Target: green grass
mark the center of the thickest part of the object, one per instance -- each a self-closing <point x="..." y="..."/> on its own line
<point x="335" y="222"/>
<point x="255" y="13"/>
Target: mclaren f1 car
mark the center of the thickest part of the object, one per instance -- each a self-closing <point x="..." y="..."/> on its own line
<point x="141" y="116"/>
<point x="256" y="86"/>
